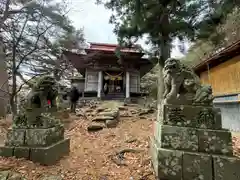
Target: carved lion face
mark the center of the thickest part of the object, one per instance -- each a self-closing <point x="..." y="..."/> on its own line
<point x="172" y="66"/>
<point x="46" y="83"/>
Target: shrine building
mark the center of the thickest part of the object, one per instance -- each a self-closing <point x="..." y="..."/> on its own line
<point x="102" y="69"/>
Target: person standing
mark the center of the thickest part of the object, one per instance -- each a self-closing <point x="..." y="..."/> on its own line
<point x="74" y="97"/>
<point x="105" y="88"/>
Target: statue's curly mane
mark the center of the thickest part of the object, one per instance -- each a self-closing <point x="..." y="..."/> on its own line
<point x="179" y="80"/>
<point x="43" y="82"/>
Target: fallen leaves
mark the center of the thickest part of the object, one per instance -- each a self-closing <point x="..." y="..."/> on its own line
<point x="236" y="144"/>
<point x="90" y="156"/>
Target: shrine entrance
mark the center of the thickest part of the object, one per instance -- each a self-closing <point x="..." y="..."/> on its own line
<point x="113" y="82"/>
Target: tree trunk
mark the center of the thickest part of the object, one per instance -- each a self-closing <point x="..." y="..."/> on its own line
<point x="14" y="85"/>
<point x="165" y="54"/>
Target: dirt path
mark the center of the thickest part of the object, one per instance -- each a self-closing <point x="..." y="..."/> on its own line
<point x="91" y="153"/>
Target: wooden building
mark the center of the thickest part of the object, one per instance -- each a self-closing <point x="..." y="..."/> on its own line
<point x="222" y="72"/>
<point x="101" y="68"/>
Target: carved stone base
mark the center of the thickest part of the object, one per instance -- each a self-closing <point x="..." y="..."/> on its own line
<point x="192" y="116"/>
<point x="44" y="155"/>
<point x="34" y="137"/>
<point x="189" y="144"/>
<point x="43" y="145"/>
<point x="197" y="140"/>
<point x="181" y="165"/>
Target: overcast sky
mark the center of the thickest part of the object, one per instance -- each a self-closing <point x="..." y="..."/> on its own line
<point x="95" y="21"/>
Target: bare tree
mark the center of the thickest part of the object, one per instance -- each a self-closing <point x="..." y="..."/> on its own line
<point x="28" y="34"/>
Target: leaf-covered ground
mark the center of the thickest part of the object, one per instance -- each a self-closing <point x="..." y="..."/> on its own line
<point x="92" y="154"/>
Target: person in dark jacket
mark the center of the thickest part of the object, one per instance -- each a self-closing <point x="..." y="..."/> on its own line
<point x="105" y="88"/>
<point x="74" y="97"/>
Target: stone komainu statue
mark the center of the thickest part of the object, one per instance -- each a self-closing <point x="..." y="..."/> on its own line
<point x="36" y="105"/>
<point x="43" y="89"/>
<point x="182" y="85"/>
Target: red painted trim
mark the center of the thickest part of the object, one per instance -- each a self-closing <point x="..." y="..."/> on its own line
<point x="103" y="44"/>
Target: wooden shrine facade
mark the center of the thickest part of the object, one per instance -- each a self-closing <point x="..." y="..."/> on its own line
<point x="222" y="72"/>
<point x="101" y="68"/>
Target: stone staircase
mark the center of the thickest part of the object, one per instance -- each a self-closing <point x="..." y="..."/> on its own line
<point x="113" y="96"/>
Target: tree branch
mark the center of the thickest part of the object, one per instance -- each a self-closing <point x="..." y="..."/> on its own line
<point x="34" y="49"/>
<point x="24" y="80"/>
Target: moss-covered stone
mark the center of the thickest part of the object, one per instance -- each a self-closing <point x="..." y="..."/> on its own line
<point x="197" y="166"/>
<point x="111" y="123"/>
<point x="15" y="137"/>
<point x="51" y="154"/>
<point x="4" y="175"/>
<point x="216" y="142"/>
<point x="15" y="176"/>
<point x="154" y="154"/>
<point x="192" y="116"/>
<point x="181" y="138"/>
<point x="22" y="152"/>
<point x="43" y="137"/>
<point x="169" y="164"/>
<point x="226" y="168"/>
<point x="6" y="151"/>
<point x="10" y="175"/>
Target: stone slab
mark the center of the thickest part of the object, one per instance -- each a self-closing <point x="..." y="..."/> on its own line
<point x="179" y="138"/>
<point x="111" y="123"/>
<point x="113" y="114"/>
<point x="215" y="142"/>
<point x="4" y="175"/>
<point x="6" y="151"/>
<point x="15" y="137"/>
<point x="197" y="166"/>
<point x="192" y="116"/>
<point x="102" y="118"/>
<point x="169" y="164"/>
<point x="226" y="168"/>
<point x="50" y="155"/>
<point x="43" y="137"/>
<point x="157" y="127"/>
<point x="21" y="152"/>
<point x="153" y="150"/>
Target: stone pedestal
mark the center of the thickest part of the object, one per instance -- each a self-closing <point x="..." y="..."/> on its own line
<point x="43" y="145"/>
<point x="193" y="146"/>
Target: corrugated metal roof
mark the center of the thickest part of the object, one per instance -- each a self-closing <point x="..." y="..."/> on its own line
<point x="218" y="55"/>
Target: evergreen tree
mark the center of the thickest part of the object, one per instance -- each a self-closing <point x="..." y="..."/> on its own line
<point x="165" y="20"/>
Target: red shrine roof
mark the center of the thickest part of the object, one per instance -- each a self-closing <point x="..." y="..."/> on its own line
<point x="110" y="48"/>
<point x="103" y="52"/>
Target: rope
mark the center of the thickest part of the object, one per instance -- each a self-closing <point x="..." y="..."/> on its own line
<point x="113" y="77"/>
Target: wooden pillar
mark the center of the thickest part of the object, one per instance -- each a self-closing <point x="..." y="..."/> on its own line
<point x="99" y="84"/>
<point x="127" y="84"/>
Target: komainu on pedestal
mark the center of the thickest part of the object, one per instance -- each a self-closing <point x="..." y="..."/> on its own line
<point x="189" y="142"/>
<point x="35" y="134"/>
